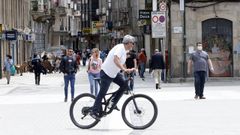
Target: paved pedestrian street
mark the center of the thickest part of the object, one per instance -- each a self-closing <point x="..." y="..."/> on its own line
<point x="28" y="109"/>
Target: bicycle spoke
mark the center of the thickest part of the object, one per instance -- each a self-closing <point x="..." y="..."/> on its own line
<point x="80" y="110"/>
<point x="139" y="112"/>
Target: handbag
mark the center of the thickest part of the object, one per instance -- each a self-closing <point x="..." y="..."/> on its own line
<point x="13" y="70"/>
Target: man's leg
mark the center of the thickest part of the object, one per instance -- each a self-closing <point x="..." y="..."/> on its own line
<point x="197" y="81"/>
<point x="38" y="78"/>
<point x="131" y="81"/>
<point x="142" y="70"/>
<point x="72" y="83"/>
<point x="105" y="83"/>
<point x="122" y="83"/>
<point x="202" y="82"/>
<point x="66" y="81"/>
<point x="35" y="75"/>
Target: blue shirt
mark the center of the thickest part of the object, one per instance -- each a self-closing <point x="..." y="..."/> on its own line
<point x="200" y="61"/>
<point x="7" y="64"/>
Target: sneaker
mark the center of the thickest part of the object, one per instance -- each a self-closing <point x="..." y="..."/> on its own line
<point x="95" y="116"/>
<point x="72" y="99"/>
<point x="196" y="97"/>
<point x="202" y="97"/>
<point x="65" y="100"/>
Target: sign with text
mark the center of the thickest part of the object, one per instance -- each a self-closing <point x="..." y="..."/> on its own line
<point x="11" y="35"/>
<point x="144" y="14"/>
<point x="158" y="20"/>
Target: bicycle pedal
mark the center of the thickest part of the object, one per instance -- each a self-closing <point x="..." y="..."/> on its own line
<point x="116" y="108"/>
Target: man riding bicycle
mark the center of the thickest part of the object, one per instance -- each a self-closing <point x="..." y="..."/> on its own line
<point x="110" y="73"/>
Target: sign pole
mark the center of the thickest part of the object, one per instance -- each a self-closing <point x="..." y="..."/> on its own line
<point x="0" y="59"/>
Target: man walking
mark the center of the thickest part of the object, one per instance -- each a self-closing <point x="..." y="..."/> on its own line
<point x="68" y="66"/>
<point x="131" y="62"/>
<point x="37" y="67"/>
<point x="201" y="65"/>
<point x="157" y="65"/>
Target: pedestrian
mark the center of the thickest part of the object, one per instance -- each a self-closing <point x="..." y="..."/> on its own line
<point x="84" y="57"/>
<point x="68" y="67"/>
<point x="94" y="67"/>
<point x="8" y="63"/>
<point x="37" y="68"/>
<point x="157" y="65"/>
<point x="142" y="60"/>
<point x="131" y="62"/>
<point x="201" y="65"/>
<point x="78" y="59"/>
<point x="110" y="72"/>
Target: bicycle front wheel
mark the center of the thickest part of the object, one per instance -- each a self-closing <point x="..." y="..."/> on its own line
<point x="139" y="111"/>
<point x="80" y="109"/>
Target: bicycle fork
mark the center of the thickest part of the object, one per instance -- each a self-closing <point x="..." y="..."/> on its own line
<point x="137" y="111"/>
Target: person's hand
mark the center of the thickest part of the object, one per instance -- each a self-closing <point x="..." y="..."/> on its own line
<point x="188" y="71"/>
<point x="128" y="70"/>
<point x="212" y="69"/>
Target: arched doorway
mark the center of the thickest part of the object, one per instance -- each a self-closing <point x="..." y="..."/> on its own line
<point x="217" y="41"/>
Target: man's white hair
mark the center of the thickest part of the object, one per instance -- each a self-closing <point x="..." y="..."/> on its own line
<point x="128" y="39"/>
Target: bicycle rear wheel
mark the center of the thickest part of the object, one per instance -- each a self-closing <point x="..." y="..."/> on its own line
<point x="139" y="111"/>
<point x="80" y="109"/>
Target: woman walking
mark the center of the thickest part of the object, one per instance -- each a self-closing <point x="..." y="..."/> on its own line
<point x="94" y="67"/>
<point x="8" y="63"/>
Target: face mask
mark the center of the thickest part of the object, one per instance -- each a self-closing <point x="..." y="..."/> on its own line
<point x="199" y="48"/>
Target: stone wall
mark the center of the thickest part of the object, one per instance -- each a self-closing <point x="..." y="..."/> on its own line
<point x="194" y="18"/>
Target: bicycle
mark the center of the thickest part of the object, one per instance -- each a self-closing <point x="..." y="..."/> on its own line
<point x="139" y="111"/>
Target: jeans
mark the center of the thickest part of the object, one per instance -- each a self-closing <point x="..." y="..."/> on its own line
<point x="105" y="83"/>
<point x="199" y="81"/>
<point x="93" y="82"/>
<point x="69" y="78"/>
<point x="130" y="81"/>
<point x="142" y="69"/>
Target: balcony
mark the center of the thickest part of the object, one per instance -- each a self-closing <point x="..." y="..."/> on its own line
<point x="42" y="13"/>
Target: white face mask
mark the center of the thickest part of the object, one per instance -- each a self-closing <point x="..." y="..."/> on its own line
<point x="199" y="48"/>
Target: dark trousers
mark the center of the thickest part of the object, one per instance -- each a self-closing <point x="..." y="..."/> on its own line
<point x="199" y="81"/>
<point x="37" y="78"/>
<point x="105" y="83"/>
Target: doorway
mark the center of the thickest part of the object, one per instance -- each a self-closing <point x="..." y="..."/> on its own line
<point x="218" y="43"/>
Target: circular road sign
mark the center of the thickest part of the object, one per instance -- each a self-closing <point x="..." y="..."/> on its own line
<point x="155" y="19"/>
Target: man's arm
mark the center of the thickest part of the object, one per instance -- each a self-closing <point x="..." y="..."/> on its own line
<point x="210" y="65"/>
<point x="189" y="66"/>
<point x="135" y="63"/>
<point x="119" y="65"/>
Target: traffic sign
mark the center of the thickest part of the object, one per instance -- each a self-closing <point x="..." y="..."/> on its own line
<point x="162" y="6"/>
<point x="158" y="24"/>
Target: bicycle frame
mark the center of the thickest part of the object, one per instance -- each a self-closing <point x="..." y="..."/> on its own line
<point x="105" y="102"/>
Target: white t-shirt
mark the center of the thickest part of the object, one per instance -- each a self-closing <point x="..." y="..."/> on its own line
<point x="109" y="67"/>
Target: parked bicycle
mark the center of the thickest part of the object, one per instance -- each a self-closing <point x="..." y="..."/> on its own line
<point x="139" y="111"/>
